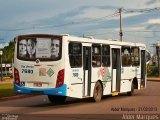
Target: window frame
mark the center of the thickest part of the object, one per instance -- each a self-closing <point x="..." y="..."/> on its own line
<point x="132" y="54"/>
<point x="99" y="56"/>
<point x="106" y="55"/>
<point x="128" y="58"/>
<point x="71" y="54"/>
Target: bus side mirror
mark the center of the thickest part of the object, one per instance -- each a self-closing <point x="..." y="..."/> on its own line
<point x="148" y="57"/>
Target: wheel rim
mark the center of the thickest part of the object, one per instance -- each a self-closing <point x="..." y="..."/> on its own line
<point x="97" y="91"/>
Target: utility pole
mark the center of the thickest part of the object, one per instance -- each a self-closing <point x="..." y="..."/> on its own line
<point x="120" y="32"/>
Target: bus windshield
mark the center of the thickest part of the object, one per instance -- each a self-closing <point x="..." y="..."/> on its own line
<point x="42" y="48"/>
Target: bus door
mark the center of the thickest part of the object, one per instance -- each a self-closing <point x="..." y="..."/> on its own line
<point x="116" y="70"/>
<point x="87" y="70"/>
<point x="76" y="69"/>
<point x="143" y="68"/>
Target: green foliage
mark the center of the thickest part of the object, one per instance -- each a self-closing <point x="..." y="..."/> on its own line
<point x="8" y="53"/>
<point x="6" y="90"/>
<point x="152" y="71"/>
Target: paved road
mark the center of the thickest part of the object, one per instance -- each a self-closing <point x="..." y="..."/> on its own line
<point x="146" y="101"/>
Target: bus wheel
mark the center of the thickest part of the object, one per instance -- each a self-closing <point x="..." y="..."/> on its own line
<point x="97" y="94"/>
<point x="57" y="99"/>
<point x="130" y="93"/>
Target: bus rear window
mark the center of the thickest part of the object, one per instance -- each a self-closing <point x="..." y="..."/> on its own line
<point x="39" y="48"/>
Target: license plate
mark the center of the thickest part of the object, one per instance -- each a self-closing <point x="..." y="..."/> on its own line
<point x="37" y="84"/>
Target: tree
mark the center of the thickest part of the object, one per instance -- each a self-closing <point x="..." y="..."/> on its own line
<point x="8" y="53"/>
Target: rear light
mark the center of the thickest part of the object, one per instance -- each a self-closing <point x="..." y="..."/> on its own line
<point x="16" y="77"/>
<point x="60" y="78"/>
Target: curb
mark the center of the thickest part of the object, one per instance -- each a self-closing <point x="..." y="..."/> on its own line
<point x="153" y="79"/>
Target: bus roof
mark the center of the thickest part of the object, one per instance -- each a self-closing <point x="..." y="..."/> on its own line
<point x="102" y="41"/>
<point x="85" y="39"/>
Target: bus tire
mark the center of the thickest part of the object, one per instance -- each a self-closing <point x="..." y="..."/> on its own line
<point x="98" y="92"/>
<point x="130" y="93"/>
<point x="57" y="99"/>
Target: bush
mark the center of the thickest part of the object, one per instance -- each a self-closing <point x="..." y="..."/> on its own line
<point x="6" y="90"/>
<point x="152" y="71"/>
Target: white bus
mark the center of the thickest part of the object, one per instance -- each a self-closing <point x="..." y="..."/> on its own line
<point x="63" y="66"/>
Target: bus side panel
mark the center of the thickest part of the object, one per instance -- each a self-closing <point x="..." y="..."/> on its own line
<point x="75" y="84"/>
<point x="138" y="76"/>
<point x="104" y="75"/>
<point x="127" y="74"/>
<point x="94" y="78"/>
<point x="107" y="85"/>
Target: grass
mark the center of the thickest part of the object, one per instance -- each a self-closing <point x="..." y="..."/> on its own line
<point x="6" y="90"/>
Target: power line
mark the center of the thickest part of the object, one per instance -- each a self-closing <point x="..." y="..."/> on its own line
<point x="116" y="13"/>
<point x="17" y="29"/>
<point x="129" y="31"/>
<point x="99" y="34"/>
<point x="65" y="24"/>
<point x="142" y="31"/>
<point x="141" y="10"/>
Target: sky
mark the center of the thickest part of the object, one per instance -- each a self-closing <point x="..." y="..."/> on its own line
<point x="97" y="18"/>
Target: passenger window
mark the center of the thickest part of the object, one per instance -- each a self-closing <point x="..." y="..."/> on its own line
<point x="135" y="56"/>
<point x="105" y="55"/>
<point x="96" y="55"/>
<point x="126" y="57"/>
<point x="75" y="54"/>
